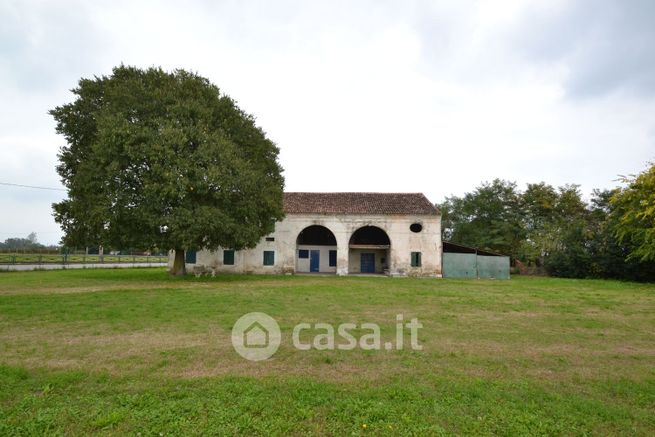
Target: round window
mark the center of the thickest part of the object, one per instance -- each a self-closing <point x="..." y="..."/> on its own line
<point x="416" y="227"/>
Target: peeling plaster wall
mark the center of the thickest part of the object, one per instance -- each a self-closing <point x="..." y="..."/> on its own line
<point x="403" y="242"/>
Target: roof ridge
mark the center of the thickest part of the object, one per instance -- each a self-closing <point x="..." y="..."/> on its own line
<point x="358" y="202"/>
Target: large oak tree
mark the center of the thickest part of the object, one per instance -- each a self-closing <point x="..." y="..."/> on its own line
<point x="159" y="159"/>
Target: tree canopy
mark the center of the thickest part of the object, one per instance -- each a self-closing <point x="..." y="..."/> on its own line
<point x="553" y="230"/>
<point x="488" y="218"/>
<point x="164" y="159"/>
<point x="635" y="212"/>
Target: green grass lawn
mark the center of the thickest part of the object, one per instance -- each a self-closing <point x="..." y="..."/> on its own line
<point x="117" y="352"/>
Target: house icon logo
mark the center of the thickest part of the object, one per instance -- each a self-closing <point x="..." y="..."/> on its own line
<point x="256" y="336"/>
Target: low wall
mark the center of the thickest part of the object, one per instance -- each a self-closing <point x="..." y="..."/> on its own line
<point x="27" y="267"/>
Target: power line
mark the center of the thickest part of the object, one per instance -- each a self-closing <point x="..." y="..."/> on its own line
<point x="32" y="186"/>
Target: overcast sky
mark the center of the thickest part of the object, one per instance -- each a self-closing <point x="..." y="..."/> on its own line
<point x="398" y="96"/>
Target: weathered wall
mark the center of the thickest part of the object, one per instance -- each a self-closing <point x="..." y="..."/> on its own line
<point x="403" y="242"/>
<point x="302" y="265"/>
<point x="354" y="264"/>
<point x="460" y="265"/>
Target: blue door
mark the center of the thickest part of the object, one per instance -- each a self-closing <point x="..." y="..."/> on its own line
<point x="314" y="260"/>
<point x="368" y="263"/>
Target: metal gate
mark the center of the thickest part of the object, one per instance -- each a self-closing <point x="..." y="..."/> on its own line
<point x="470" y="265"/>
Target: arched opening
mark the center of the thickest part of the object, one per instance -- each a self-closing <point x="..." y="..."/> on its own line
<point x="316" y="250"/>
<point x="368" y="250"/>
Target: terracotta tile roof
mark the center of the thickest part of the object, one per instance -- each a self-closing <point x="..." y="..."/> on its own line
<point x="358" y="203"/>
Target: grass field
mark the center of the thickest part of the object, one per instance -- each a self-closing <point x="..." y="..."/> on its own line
<point x="134" y="351"/>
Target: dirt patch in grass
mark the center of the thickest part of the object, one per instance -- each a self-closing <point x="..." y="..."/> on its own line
<point x="12" y="289"/>
<point x="174" y="354"/>
<point x="210" y="354"/>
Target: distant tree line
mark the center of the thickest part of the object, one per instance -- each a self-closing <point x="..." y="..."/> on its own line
<point x="554" y="231"/>
<point x="24" y="244"/>
<point x="31" y="243"/>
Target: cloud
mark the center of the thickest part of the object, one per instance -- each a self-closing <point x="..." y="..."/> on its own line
<point x="43" y="44"/>
<point x="360" y="96"/>
<point x="605" y="45"/>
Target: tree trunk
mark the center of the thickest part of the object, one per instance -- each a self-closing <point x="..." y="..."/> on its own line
<point x="179" y="266"/>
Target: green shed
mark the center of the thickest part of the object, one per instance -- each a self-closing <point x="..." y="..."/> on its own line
<point x="461" y="261"/>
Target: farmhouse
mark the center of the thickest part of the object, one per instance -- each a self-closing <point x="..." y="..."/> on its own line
<point x="397" y="234"/>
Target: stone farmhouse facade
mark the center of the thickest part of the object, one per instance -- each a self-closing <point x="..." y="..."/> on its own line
<point x="397" y="234"/>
